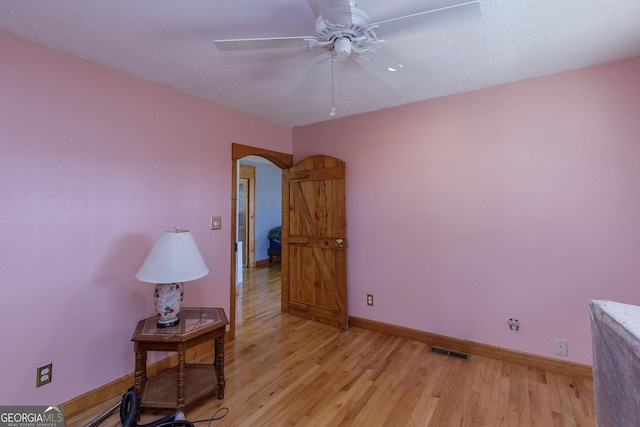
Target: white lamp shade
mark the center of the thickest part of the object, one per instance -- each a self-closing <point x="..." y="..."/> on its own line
<point x="174" y="259"/>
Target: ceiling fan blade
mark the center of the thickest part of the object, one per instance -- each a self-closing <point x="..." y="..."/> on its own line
<point x="386" y="69"/>
<point x="335" y="11"/>
<point x="317" y="79"/>
<point x="457" y="13"/>
<point x="263" y="43"/>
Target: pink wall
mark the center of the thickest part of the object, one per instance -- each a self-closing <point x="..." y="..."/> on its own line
<point x="95" y="164"/>
<point x="520" y="200"/>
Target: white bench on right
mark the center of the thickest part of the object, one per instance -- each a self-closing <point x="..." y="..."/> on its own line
<point x="615" y="331"/>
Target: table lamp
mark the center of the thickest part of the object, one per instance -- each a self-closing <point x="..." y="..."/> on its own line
<point x="173" y="260"/>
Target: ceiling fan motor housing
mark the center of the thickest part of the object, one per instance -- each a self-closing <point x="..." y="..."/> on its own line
<point x="339" y="36"/>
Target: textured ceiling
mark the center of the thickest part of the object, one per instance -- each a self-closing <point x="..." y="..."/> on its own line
<point x="171" y="42"/>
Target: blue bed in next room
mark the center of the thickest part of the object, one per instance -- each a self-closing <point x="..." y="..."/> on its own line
<point x="275" y="243"/>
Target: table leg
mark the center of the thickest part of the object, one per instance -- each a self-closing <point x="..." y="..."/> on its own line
<point x="140" y="375"/>
<point x="181" y="358"/>
<point x="218" y="362"/>
<point x="141" y="371"/>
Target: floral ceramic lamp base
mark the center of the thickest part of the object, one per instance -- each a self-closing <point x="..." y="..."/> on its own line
<point x="168" y="301"/>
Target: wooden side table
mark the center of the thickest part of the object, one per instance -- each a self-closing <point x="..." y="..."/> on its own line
<point x="178" y="387"/>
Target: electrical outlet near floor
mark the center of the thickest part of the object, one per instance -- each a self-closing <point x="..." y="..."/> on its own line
<point x="43" y="374"/>
<point x="370" y="300"/>
<point x="561" y="347"/>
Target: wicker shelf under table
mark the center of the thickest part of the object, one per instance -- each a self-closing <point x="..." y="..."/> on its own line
<point x="160" y="390"/>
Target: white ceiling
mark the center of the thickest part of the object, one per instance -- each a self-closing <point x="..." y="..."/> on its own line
<point x="171" y="42"/>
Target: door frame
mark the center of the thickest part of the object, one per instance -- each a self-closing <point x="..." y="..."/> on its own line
<point x="249" y="245"/>
<point x="238" y="151"/>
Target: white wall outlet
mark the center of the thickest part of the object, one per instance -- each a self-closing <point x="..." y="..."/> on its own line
<point x="561" y="347"/>
<point x="514" y="324"/>
<point x="44" y="374"/>
<point x="370" y="300"/>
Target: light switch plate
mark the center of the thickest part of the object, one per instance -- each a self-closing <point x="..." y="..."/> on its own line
<point x="216" y="223"/>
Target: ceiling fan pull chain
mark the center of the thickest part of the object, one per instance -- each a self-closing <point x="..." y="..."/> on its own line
<point x="332" y="113"/>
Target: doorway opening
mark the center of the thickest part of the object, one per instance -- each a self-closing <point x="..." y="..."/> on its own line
<point x="239" y="151"/>
<point x="247" y="215"/>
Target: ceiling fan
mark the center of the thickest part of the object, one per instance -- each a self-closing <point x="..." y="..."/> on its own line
<point x="342" y="28"/>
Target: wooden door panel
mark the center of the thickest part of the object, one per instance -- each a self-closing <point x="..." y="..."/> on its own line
<point x="314" y="267"/>
<point x="316" y="238"/>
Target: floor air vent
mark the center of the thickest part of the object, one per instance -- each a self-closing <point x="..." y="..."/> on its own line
<point x="449" y="353"/>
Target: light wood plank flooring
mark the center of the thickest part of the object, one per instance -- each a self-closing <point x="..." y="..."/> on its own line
<point x="284" y="371"/>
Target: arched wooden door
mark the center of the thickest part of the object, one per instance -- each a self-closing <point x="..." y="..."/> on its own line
<point x="314" y="267"/>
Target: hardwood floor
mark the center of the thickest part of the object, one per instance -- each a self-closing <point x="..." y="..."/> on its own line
<point x="282" y="370"/>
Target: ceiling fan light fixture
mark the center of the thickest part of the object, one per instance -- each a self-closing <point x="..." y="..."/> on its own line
<point x="342" y="47"/>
